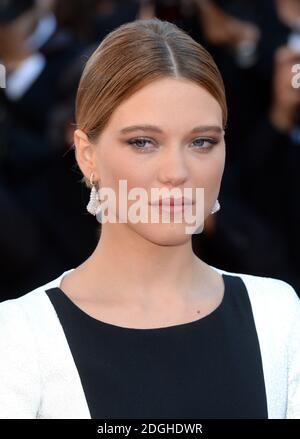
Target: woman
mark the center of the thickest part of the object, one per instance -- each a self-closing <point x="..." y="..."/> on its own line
<point x="143" y="328"/>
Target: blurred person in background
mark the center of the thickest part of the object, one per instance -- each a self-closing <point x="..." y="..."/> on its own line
<point x="271" y="149"/>
<point x="17" y="22"/>
<point x="32" y="171"/>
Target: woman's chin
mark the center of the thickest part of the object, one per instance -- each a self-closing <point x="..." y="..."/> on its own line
<point x="165" y="234"/>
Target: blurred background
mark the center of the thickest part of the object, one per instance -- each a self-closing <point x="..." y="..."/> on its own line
<point x="44" y="44"/>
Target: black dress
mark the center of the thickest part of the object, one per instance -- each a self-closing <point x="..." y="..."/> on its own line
<point x="207" y="368"/>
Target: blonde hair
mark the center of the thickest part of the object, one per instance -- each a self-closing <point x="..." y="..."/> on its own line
<point x="132" y="56"/>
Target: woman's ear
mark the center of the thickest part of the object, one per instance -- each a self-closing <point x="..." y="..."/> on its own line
<point x="84" y="153"/>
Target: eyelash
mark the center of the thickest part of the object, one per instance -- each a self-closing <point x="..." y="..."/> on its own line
<point x="133" y="142"/>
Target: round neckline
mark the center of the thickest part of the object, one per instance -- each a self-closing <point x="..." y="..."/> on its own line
<point x="213" y="314"/>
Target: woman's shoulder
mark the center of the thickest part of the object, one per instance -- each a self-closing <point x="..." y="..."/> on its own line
<point x="264" y="285"/>
<point x="271" y="299"/>
<point x="30" y="299"/>
<point x="29" y="310"/>
<point x="269" y="294"/>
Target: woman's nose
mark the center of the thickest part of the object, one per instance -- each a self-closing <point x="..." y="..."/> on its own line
<point x="172" y="167"/>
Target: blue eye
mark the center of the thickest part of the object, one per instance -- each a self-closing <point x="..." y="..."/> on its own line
<point x="202" y="141"/>
<point x="134" y="142"/>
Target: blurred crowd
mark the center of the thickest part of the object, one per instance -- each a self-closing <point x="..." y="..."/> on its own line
<point x="44" y="44"/>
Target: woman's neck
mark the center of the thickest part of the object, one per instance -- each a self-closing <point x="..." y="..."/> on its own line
<point x="137" y="269"/>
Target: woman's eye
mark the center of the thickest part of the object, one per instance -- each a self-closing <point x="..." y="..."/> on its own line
<point x="139" y="143"/>
<point x="205" y="143"/>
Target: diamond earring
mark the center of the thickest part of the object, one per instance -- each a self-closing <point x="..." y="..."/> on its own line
<point x="94" y="205"/>
<point x="216" y="207"/>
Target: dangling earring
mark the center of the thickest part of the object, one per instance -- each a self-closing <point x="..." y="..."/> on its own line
<point x="94" y="205"/>
<point x="216" y="207"/>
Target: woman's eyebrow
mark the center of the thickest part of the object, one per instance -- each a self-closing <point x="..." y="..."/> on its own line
<point x="199" y="129"/>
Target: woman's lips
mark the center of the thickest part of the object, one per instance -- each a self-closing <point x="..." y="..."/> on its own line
<point x="173" y="202"/>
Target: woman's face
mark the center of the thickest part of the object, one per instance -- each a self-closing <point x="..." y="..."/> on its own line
<point x="176" y="157"/>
